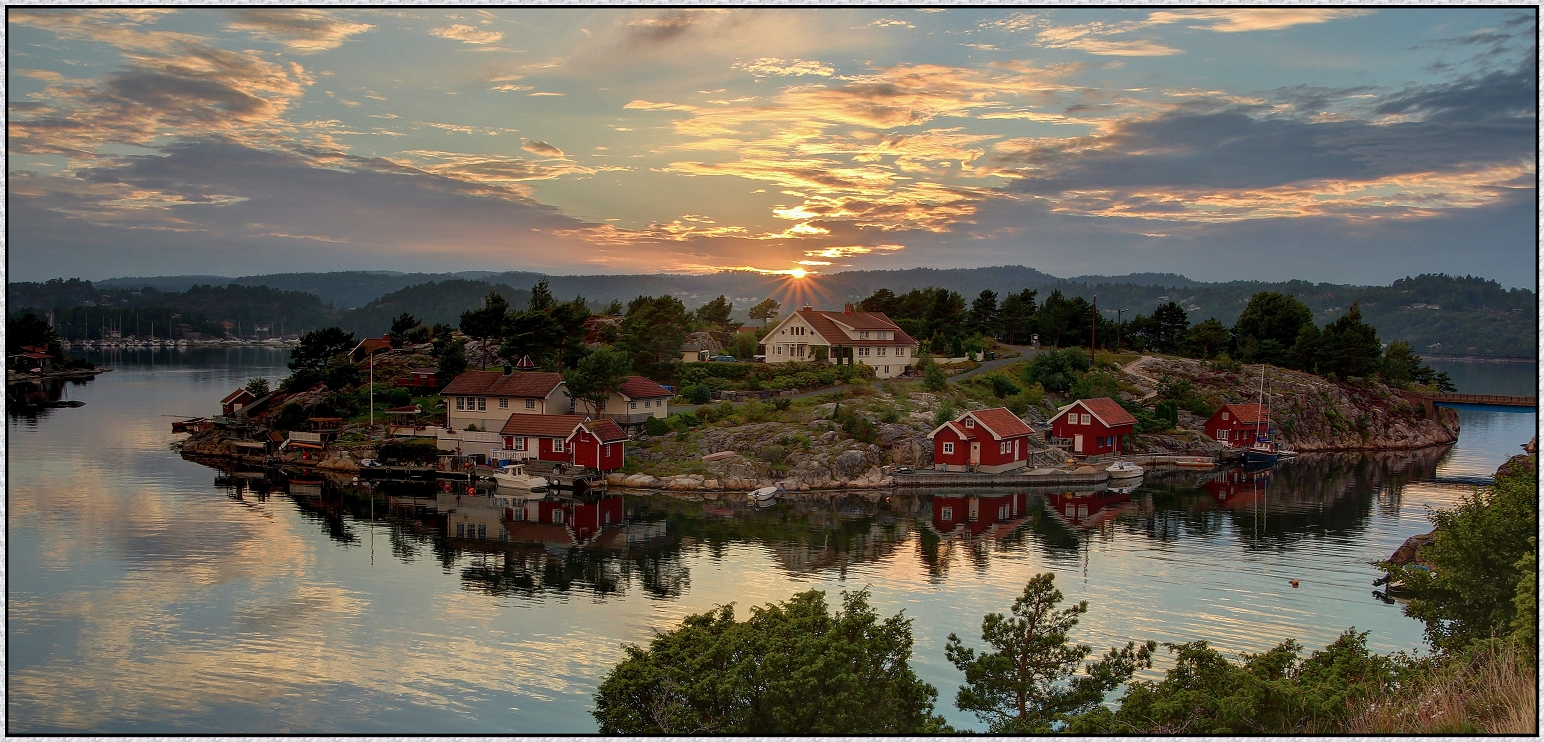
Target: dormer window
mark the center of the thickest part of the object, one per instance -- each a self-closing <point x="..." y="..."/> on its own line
<point x="863" y="335"/>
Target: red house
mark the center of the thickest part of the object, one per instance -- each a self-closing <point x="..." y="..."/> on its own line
<point x="235" y="401"/>
<point x="569" y="439"/>
<point x="1236" y="424"/>
<point x="991" y="441"/>
<point x="1093" y="426"/>
<point x="425" y="378"/>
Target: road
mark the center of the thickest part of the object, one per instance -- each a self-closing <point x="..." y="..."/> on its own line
<point x="1024" y="352"/>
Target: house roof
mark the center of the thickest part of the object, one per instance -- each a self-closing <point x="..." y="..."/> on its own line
<point x="405" y="410"/>
<point x="371" y="345"/>
<point x="1105" y="410"/>
<point x="543" y="426"/>
<point x="606" y="430"/>
<point x="233" y="396"/>
<point x="1001" y="422"/>
<point x="825" y="324"/>
<point x="426" y="370"/>
<point x="638" y="387"/>
<point x="1249" y="414"/>
<point x="497" y="384"/>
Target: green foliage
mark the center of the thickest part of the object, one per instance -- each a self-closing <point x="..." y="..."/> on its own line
<point x="1478" y="559"/>
<point x="1026" y="683"/>
<point x="1016" y="317"/>
<point x="1021" y="402"/>
<point x="743" y="345"/>
<point x="450" y="357"/>
<point x="1150" y="421"/>
<point x="697" y="393"/>
<point x="291" y="417"/>
<point x="401" y="327"/>
<point x="945" y="413"/>
<point x="653" y="332"/>
<point x="1207" y="338"/>
<point x="486" y="323"/>
<point x="1095" y="385"/>
<point x="714" y="316"/>
<point x="781" y="404"/>
<point x="1274" y="317"/>
<point x="400" y="397"/>
<point x="1223" y="363"/>
<point x="1167" y="412"/>
<point x="933" y="377"/>
<point x="435" y="302"/>
<point x="1056" y="370"/>
<point x="258" y="386"/>
<point x="340" y="373"/>
<point x="598" y="375"/>
<point x="792" y="668"/>
<point x="1275" y="692"/>
<point x="317" y="348"/>
<point x="30" y="330"/>
<point x="765" y="311"/>
<point x="655" y="426"/>
<point x="409" y="450"/>
<point x="856" y="426"/>
<point x="1349" y="347"/>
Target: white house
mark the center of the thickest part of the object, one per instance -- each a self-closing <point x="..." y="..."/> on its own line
<point x="487" y="398"/>
<point x="637" y="400"/>
<point x="848" y="336"/>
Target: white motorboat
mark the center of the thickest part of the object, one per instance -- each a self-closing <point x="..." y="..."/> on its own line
<point x="513" y="476"/>
<point x="1124" y="470"/>
<point x="765" y="494"/>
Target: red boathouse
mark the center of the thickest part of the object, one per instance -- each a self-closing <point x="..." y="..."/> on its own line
<point x="993" y="440"/>
<point x="1093" y="426"/>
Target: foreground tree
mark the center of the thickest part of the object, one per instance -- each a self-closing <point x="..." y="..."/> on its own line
<point x="1268" y="327"/>
<point x="1026" y="684"/>
<point x="792" y="668"/>
<point x="652" y="333"/>
<point x="598" y="375"/>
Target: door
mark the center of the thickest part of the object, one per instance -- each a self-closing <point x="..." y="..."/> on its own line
<point x="1077" y="443"/>
<point x="975" y="452"/>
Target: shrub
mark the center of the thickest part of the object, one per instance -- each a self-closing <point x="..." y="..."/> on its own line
<point x="697" y="393"/>
<point x="945" y="413"/>
<point x="416" y="450"/>
<point x="1095" y="385"/>
<point x="258" y="386"/>
<point x="655" y="426"/>
<point x="781" y="404"/>
<point x="1002" y="387"/>
<point x="1056" y="370"/>
<point x="400" y="397"/>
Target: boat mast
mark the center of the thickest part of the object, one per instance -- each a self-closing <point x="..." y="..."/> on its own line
<point x="1259" y="404"/>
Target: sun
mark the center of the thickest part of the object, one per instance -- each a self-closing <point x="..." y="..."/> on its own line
<point x="797" y="273"/>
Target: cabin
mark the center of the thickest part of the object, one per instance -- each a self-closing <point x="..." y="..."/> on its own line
<point x="848" y="336"/>
<point x="235" y="401"/>
<point x="427" y="378"/>
<point x="369" y="347"/>
<point x="565" y="439"/>
<point x="1236" y="425"/>
<point x="485" y="399"/>
<point x="993" y="440"/>
<point x="637" y="400"/>
<point x="1093" y="426"/>
<point x="32" y="358"/>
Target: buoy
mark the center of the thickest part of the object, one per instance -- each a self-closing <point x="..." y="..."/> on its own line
<point x="473" y="491"/>
<point x="1294" y="583"/>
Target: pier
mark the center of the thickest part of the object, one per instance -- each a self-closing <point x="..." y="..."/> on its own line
<point x="1430" y="401"/>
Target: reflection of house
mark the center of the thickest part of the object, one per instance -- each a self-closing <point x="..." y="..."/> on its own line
<point x="699" y="346"/>
<point x="848" y="336"/>
<point x="1093" y="426"/>
<point x="487" y="398"/>
<point x="559" y="522"/>
<point x="1237" y="424"/>
<point x="1087" y="509"/>
<point x="638" y="400"/>
<point x="1234" y="487"/>
<point x="569" y="439"/>
<point x="992" y="441"/>
<point x="985" y="517"/>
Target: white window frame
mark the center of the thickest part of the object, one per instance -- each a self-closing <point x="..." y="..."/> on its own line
<point x="863" y="335"/>
<point x="482" y="404"/>
<point x="900" y="352"/>
<point x="970" y="422"/>
<point x="503" y="403"/>
<point x="947" y="513"/>
<point x="948" y="447"/>
<point x="881" y="350"/>
<point x="1087" y="419"/>
<point x="530" y="404"/>
<point x="461" y="403"/>
<point x="557" y="445"/>
<point x="519" y="443"/>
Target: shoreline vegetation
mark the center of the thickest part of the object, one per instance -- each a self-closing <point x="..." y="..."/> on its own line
<point x="791" y="668"/>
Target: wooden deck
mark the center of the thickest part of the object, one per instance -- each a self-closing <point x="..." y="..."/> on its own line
<point x="1006" y="479"/>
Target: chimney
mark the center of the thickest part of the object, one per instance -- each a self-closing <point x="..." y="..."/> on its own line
<point x="806" y="308"/>
<point x="508" y="369"/>
<point x="847" y="309"/>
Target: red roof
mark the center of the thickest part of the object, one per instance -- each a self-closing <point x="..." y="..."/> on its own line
<point x="606" y="430"/>
<point x="1248" y="414"/>
<point x="1002" y="423"/>
<point x="406" y="410"/>
<point x="543" y="426"/>
<point x="497" y="384"/>
<point x="371" y="345"/>
<point x="1107" y="410"/>
<point x="637" y="387"/>
<point x="825" y="324"/>
<point x="233" y="396"/>
<point x="426" y="370"/>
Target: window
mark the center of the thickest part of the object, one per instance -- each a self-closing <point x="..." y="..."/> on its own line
<point x="460" y="530"/>
<point x="947" y="513"/>
<point x="530" y="404"/>
<point x="863" y="335"/>
<point x="1003" y="448"/>
<point x="460" y="403"/>
<point x="634" y="405"/>
<point x="520" y="443"/>
<point x="970" y="422"/>
<point x="482" y="404"/>
<point x="1222" y="435"/>
<point x="607" y="450"/>
<point x="503" y="403"/>
<point x="1086" y="419"/>
<point x="1002" y="512"/>
<point x="1224" y="415"/>
<point x="482" y="530"/>
<point x="557" y="446"/>
<point x="887" y="369"/>
<point x="557" y="516"/>
<point x="863" y="350"/>
<point x="948" y="448"/>
<point x="900" y="352"/>
<point x="881" y="350"/>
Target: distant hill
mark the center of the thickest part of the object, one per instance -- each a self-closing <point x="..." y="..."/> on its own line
<point x="1436" y="314"/>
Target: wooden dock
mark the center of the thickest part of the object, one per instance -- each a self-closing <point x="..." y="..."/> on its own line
<point x="1006" y="479"/>
<point x="1430" y="401"/>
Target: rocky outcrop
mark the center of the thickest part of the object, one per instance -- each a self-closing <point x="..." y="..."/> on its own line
<point x="1313" y="413"/>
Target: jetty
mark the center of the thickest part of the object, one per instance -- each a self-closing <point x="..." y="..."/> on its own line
<point x="1429" y="400"/>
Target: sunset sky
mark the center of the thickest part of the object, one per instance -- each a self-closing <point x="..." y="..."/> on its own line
<point x="1330" y="144"/>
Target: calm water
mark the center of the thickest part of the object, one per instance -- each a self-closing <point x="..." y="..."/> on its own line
<point x="151" y="594"/>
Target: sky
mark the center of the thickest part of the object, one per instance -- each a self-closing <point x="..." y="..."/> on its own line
<point x="1352" y="145"/>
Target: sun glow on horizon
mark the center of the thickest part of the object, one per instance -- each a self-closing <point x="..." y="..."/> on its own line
<point x="798" y="273"/>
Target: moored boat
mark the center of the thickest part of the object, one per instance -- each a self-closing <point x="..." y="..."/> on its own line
<point x="1124" y="470"/>
<point x="513" y="476"/>
<point x="765" y="494"/>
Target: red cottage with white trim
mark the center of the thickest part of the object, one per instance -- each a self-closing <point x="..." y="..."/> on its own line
<point x="992" y="441"/>
<point x="1236" y="425"/>
<point x="1093" y="426"/>
<point x="569" y="439"/>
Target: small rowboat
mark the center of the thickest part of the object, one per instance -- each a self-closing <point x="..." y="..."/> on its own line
<point x="765" y="494"/>
<point x="1195" y="462"/>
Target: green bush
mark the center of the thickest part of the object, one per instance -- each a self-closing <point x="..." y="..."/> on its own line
<point x="697" y="393"/>
<point x="1002" y="387"/>
<point x="1095" y="385"/>
<point x="400" y="398"/>
<point x="412" y="450"/>
<point x="782" y="403"/>
<point x="1056" y="370"/>
<point x="945" y="413"/>
<point x="655" y="426"/>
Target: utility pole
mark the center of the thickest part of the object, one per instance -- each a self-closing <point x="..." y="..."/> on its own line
<point x="1119" y="328"/>
<point x="1093" y="334"/>
<point x="372" y="396"/>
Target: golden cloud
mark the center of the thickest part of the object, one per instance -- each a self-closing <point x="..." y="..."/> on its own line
<point x="302" y="30"/>
<point x="795" y="67"/>
<point x="467" y="34"/>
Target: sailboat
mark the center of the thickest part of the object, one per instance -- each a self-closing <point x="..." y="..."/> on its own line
<point x="1263" y="449"/>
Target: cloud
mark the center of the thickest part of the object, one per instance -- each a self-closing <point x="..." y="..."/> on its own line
<point x="893" y="23"/>
<point x="1094" y="37"/>
<point x="796" y="67"/>
<point x="540" y="148"/>
<point x="302" y="30"/>
<point x="668" y="26"/>
<point x="467" y="34"/>
<point x="1237" y="20"/>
